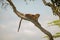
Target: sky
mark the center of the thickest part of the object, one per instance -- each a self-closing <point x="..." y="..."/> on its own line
<point x="9" y="21"/>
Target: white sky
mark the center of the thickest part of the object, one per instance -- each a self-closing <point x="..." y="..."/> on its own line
<point x="9" y="22"/>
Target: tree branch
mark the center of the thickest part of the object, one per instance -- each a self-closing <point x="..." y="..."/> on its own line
<point x="54" y="8"/>
<point x="36" y="23"/>
<point x="19" y="14"/>
<point x="47" y="4"/>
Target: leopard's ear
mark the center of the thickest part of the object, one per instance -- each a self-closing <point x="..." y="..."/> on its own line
<point x="37" y="15"/>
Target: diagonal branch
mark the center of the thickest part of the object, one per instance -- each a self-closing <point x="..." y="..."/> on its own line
<point x="19" y="14"/>
<point x="36" y="23"/>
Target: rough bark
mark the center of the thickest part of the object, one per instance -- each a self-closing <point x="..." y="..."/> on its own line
<point x="36" y="23"/>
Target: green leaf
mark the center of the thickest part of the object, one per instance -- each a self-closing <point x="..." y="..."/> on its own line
<point x="55" y="36"/>
<point x="55" y="22"/>
<point x="58" y="33"/>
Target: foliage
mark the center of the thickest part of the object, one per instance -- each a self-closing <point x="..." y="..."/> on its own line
<point x="55" y="22"/>
<point x="28" y="0"/>
<point x="3" y="3"/>
<point x="55" y="36"/>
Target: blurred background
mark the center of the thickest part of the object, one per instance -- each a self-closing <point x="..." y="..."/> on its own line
<point x="9" y="21"/>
